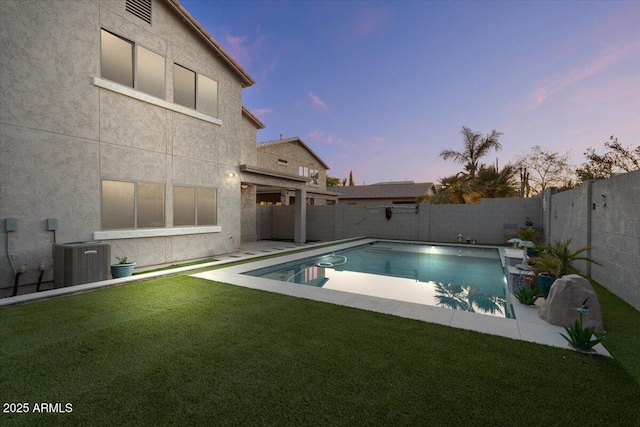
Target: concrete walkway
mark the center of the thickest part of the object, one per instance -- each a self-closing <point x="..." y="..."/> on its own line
<point x="247" y="251"/>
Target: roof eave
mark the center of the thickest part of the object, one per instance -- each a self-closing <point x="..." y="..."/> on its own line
<point x="253" y="118"/>
<point x="246" y="79"/>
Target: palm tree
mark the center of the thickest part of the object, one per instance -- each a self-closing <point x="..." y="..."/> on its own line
<point x="467" y="298"/>
<point x="475" y="147"/>
<point x="491" y="183"/>
<point x="453" y="191"/>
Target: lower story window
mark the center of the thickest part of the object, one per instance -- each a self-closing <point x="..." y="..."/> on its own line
<point x="194" y="206"/>
<point x="132" y="205"/>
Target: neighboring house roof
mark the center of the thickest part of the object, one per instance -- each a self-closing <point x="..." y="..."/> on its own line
<point x="293" y="140"/>
<point x="253" y="118"/>
<point x="247" y="80"/>
<point x="394" y="190"/>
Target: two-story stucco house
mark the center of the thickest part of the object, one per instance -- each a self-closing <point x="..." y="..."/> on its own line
<point x="293" y="156"/>
<point x="122" y="121"/>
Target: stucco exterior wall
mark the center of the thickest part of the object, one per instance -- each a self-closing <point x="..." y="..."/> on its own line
<point x="296" y="156"/>
<point x="61" y="134"/>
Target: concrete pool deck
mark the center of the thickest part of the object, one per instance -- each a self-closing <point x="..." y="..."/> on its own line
<point x="527" y="326"/>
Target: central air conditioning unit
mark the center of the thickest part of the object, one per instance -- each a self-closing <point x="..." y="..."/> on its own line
<point x="80" y="262"/>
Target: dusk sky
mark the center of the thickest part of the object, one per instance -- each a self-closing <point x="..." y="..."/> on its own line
<point x="381" y="87"/>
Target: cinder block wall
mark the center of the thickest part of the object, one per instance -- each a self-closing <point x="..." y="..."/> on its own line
<point x="483" y="222"/>
<point x="613" y="229"/>
<point x="569" y="218"/>
<point x="615" y="235"/>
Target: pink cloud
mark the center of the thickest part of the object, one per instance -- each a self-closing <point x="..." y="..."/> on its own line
<point x="236" y="48"/>
<point x="325" y="138"/>
<point x="262" y="111"/>
<point x="318" y="103"/>
<point x="244" y="48"/>
<point x="371" y="22"/>
<point x="585" y="70"/>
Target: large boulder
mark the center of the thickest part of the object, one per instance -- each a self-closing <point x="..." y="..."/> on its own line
<point x="567" y="293"/>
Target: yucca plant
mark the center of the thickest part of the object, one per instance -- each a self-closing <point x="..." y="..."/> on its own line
<point x="554" y="262"/>
<point x="580" y="337"/>
<point x="557" y="258"/>
<point x="527" y="295"/>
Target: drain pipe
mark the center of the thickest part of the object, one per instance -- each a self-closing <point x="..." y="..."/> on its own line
<point x="589" y="221"/>
<point x="13" y="267"/>
<point x="15" y="283"/>
<point x="41" y="268"/>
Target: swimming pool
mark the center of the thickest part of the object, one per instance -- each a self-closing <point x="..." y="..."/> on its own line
<point x="456" y="277"/>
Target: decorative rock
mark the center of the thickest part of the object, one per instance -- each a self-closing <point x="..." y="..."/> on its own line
<point x="567" y="293"/>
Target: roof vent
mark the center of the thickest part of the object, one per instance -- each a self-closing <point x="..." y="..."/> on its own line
<point x="140" y="8"/>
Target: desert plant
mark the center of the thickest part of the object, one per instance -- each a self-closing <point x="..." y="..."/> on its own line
<point x="579" y="336"/>
<point x="528" y="222"/>
<point x="527" y="295"/>
<point x="557" y="258"/>
<point x="530" y="234"/>
<point x="122" y="260"/>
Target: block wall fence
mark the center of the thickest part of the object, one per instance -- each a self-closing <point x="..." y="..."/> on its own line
<point x="604" y="214"/>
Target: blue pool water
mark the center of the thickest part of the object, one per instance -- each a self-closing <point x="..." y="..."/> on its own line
<point x="456" y="277"/>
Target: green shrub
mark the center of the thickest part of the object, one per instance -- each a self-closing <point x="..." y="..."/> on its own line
<point x="527" y="295"/>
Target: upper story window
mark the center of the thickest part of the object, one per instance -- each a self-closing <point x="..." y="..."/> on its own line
<point x="132" y="65"/>
<point x="195" y="91"/>
<point x="310" y="173"/>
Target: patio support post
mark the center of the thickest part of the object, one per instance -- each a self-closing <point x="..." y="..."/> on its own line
<point x="300" y="235"/>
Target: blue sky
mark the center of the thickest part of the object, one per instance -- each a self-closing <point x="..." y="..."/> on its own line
<point x="381" y="87"/>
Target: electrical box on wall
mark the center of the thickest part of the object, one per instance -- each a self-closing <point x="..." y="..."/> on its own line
<point x="11" y="224"/>
<point x="52" y="224"/>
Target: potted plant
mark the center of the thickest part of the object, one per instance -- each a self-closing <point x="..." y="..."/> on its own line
<point x="123" y="268"/>
<point x="554" y="262"/>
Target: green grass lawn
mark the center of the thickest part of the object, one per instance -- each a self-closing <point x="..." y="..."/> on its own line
<point x="184" y="351"/>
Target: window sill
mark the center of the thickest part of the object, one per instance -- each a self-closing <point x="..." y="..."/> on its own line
<point x="154" y="232"/>
<point x="132" y="93"/>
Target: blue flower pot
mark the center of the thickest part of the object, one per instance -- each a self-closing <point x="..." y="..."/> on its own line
<point x="122" y="270"/>
<point x="544" y="284"/>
